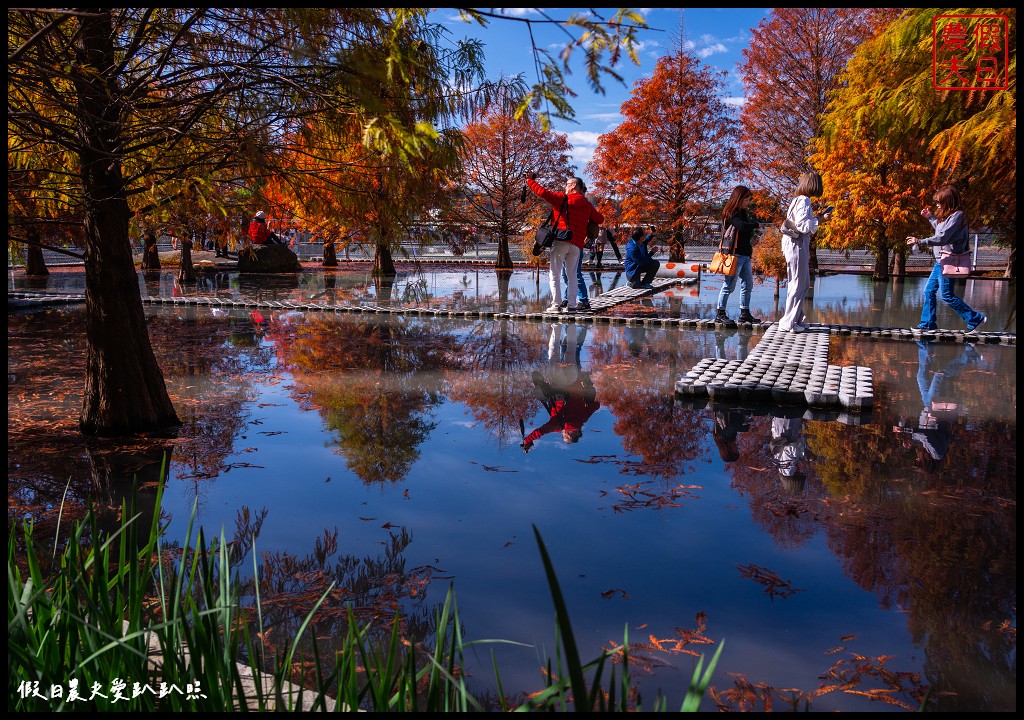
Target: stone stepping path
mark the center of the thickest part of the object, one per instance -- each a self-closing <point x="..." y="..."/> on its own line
<point x="784" y="368"/>
<point x="621" y="295"/>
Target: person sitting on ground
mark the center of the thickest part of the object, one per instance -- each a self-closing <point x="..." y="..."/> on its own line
<point x="260" y="232"/>
<point x="639" y="264"/>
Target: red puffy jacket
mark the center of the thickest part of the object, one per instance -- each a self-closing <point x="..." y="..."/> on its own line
<point x="259" y="232"/>
<point x="581" y="211"/>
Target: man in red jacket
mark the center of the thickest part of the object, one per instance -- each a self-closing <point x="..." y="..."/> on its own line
<point x="260" y="233"/>
<point x="572" y="211"/>
<point x="570" y="406"/>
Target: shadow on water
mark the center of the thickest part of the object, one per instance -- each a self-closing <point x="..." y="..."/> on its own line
<point x="874" y="552"/>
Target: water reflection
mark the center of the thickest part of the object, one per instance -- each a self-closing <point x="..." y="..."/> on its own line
<point x="567" y="392"/>
<point x="400" y="426"/>
<point x="789" y="450"/>
<point x="853" y="300"/>
<point x="940" y="408"/>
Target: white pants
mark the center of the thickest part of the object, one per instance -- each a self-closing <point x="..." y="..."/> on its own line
<point x="562" y="369"/>
<point x="798" y="260"/>
<point x="564" y="254"/>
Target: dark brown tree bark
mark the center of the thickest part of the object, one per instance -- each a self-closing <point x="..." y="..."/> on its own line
<point x="124" y="387"/>
<point x="150" y="254"/>
<point x="330" y="254"/>
<point x="35" y="263"/>
<point x="504" y="260"/>
<point x="676" y="247"/>
<point x="385" y="288"/>
<point x="186" y="271"/>
<point x="504" y="281"/>
<point x="383" y="263"/>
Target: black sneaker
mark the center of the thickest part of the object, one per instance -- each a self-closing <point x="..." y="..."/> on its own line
<point x="564" y="304"/>
<point x="722" y="318"/>
<point x="974" y="326"/>
<point x="746" y="317"/>
<point x="583" y="306"/>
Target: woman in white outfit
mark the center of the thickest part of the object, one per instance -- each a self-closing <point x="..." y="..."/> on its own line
<point x="803" y="221"/>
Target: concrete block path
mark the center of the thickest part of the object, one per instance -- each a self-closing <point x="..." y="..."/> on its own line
<point x="784" y="368"/>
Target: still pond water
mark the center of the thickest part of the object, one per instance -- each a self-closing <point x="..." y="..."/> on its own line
<point x="871" y="556"/>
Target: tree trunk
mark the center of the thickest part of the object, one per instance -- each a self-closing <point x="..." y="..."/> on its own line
<point x="35" y="263"/>
<point x="383" y="264"/>
<point x="186" y="271"/>
<point x="124" y="387"/>
<point x="504" y="282"/>
<point x="899" y="268"/>
<point x="881" y="271"/>
<point x="384" y="286"/>
<point x="150" y="254"/>
<point x="504" y="260"/>
<point x="330" y="254"/>
<point x="677" y="247"/>
<point x="812" y="258"/>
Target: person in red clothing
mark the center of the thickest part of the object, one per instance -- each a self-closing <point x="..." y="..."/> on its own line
<point x="569" y="396"/>
<point x="566" y="254"/>
<point x="569" y="406"/>
<point x="260" y="233"/>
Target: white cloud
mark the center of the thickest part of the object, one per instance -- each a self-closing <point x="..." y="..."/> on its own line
<point x="517" y="12"/>
<point x="582" y="137"/>
<point x="735" y="101"/>
<point x="584" y="144"/>
<point x="614" y="118"/>
<point x="713" y="49"/>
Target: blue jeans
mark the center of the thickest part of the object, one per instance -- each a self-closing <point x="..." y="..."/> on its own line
<point x="930" y="387"/>
<point x="745" y="272"/>
<point x="945" y="287"/>
<point x="581" y="284"/>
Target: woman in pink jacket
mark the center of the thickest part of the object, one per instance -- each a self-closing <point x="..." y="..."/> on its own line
<point x="566" y="254"/>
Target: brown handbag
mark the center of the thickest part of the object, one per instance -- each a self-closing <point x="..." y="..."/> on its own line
<point x="724" y="262"/>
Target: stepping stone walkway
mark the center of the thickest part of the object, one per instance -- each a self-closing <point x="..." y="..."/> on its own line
<point x="620" y="295"/>
<point x="785" y="368"/>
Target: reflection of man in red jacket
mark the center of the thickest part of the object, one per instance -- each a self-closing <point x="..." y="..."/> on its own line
<point x="570" y="405"/>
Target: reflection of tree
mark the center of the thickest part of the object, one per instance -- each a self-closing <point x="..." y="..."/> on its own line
<point x="375" y="590"/>
<point x="667" y="438"/>
<point x="205" y="378"/>
<point x="789" y="520"/>
<point x="494" y="382"/>
<point x="942" y="553"/>
<point x="373" y="383"/>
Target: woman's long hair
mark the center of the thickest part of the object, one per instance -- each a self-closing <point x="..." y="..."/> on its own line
<point x="738" y="194"/>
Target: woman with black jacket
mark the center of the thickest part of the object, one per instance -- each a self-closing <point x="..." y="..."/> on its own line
<point x="735" y="213"/>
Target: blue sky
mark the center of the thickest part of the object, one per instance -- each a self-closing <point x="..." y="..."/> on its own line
<point x="715" y="35"/>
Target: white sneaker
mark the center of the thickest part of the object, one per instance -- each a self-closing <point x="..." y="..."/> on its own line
<point x="554" y="308"/>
